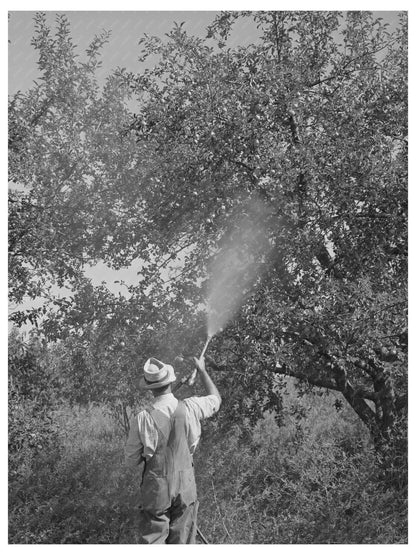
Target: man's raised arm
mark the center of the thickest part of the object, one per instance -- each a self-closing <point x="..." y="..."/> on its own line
<point x="209" y="385"/>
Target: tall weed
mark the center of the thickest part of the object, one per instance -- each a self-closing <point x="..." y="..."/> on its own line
<point x="314" y="480"/>
<point x="287" y="480"/>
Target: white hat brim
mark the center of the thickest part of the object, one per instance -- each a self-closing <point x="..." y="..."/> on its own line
<point x="170" y="378"/>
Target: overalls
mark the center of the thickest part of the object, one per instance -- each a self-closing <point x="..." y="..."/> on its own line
<point x="168" y="486"/>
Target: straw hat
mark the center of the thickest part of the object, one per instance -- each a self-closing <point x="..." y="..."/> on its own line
<point x="157" y="374"/>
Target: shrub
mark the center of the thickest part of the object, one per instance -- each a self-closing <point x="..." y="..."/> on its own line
<point x="298" y="480"/>
<point x="314" y="480"/>
<point x="80" y="491"/>
<point x="31" y="397"/>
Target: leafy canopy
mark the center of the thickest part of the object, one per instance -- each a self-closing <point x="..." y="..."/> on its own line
<point x="312" y="118"/>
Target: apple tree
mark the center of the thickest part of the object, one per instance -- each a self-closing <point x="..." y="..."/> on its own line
<point x="312" y="118"/>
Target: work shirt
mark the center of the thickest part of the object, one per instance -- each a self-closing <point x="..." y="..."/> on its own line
<point x="143" y="436"/>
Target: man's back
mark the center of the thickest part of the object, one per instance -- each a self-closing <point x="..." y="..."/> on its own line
<point x="168" y="477"/>
<point x="165" y="437"/>
<point x="143" y="435"/>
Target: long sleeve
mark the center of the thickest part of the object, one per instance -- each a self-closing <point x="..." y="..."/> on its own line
<point x="199" y="408"/>
<point x="134" y="447"/>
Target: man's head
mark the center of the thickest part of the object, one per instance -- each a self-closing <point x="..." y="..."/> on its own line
<point x="157" y="376"/>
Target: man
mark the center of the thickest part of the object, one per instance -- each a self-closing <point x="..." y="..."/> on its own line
<point x="165" y="438"/>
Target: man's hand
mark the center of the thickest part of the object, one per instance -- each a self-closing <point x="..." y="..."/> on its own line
<point x="200" y="364"/>
<point x="200" y="367"/>
<point x="209" y="385"/>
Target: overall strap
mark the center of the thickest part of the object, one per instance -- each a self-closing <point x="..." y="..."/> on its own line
<point x="178" y="434"/>
<point x="163" y="423"/>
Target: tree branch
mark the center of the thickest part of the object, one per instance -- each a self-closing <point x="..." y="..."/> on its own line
<point x="354" y="396"/>
<point x="327" y="263"/>
<point x="344" y="67"/>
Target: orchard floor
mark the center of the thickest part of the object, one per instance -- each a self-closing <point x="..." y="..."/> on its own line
<point x="309" y="481"/>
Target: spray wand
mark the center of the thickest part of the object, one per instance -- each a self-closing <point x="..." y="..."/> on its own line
<point x="190" y="379"/>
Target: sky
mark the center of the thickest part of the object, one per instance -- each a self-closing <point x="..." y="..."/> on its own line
<point x="122" y="50"/>
<point x="126" y="28"/>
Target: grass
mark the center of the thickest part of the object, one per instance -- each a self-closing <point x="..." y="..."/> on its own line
<point x="309" y="481"/>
